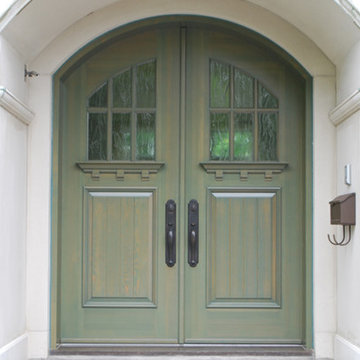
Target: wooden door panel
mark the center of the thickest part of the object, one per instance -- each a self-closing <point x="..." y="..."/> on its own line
<point x="243" y="248"/>
<point x="119" y="251"/>
<point x="115" y="286"/>
<point x="248" y="285"/>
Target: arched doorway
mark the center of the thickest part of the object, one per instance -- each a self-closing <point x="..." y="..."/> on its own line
<point x="214" y="120"/>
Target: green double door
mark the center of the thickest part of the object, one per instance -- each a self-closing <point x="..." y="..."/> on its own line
<point x="184" y="114"/>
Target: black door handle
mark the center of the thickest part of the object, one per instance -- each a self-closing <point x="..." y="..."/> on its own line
<point x="193" y="233"/>
<point x="170" y="233"/>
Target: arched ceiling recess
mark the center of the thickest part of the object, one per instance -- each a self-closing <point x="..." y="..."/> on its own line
<point x="38" y="27"/>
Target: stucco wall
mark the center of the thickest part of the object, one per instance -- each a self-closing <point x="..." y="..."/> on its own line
<point x="324" y="189"/>
<point x="348" y="74"/>
<point x="347" y="340"/>
<point x="39" y="179"/>
<point x="13" y="214"/>
<point x="348" y="264"/>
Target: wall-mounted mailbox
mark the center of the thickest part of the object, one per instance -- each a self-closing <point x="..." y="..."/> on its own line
<point x="342" y="212"/>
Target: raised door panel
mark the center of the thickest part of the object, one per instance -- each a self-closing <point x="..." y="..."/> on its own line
<point x="243" y="248"/>
<point x="119" y="248"/>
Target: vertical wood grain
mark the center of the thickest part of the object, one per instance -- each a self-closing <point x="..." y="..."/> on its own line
<point x="120" y="246"/>
<point x="243" y="245"/>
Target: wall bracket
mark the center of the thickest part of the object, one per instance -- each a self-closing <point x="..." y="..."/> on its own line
<point x="342" y="242"/>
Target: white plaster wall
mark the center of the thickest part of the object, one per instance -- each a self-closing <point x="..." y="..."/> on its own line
<point x="13" y="214"/>
<point x="239" y="12"/>
<point x="12" y="70"/>
<point x="324" y="190"/>
<point x="348" y="74"/>
<point x="348" y="257"/>
<point x="86" y="29"/>
<point x="347" y="340"/>
<point x="39" y="178"/>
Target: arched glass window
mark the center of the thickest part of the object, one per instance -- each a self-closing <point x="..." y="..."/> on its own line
<point x="122" y="115"/>
<point x="243" y="116"/>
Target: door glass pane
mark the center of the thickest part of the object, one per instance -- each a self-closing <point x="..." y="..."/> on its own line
<point x="145" y="85"/>
<point x="219" y="136"/>
<point x="97" y="136"/>
<point x="244" y="137"/>
<point x="121" y="137"/>
<point x="265" y="99"/>
<point x="122" y="86"/>
<point x="267" y="136"/>
<point x="145" y="136"/>
<point x="100" y="97"/>
<point x="219" y="85"/>
<point x="243" y="90"/>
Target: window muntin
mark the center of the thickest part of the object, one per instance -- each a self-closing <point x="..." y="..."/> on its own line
<point x="243" y="116"/>
<point x="122" y="116"/>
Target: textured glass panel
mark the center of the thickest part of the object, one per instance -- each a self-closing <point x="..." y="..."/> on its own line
<point x="244" y="137"/>
<point x="121" y="137"/>
<point x="219" y="85"/>
<point x="145" y="136"/>
<point x="219" y="136"/>
<point x="267" y="136"/>
<point x="100" y="97"/>
<point x="97" y="136"/>
<point x="146" y="85"/>
<point x="122" y="85"/>
<point x="243" y="90"/>
<point x="265" y="99"/>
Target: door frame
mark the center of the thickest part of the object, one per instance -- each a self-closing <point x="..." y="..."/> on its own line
<point x="139" y="26"/>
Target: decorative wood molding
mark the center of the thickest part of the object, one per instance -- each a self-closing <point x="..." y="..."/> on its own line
<point x="15" y="107"/>
<point x="120" y="168"/>
<point x="219" y="168"/>
<point x="346" y="108"/>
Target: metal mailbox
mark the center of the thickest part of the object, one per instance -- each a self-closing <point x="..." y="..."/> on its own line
<point x="342" y="210"/>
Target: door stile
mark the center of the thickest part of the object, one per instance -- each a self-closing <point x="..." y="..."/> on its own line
<point x="182" y="189"/>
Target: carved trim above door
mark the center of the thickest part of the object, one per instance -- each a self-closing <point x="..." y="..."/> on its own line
<point x="219" y="168"/>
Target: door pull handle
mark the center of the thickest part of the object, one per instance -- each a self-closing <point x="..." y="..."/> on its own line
<point x="193" y="233"/>
<point x="170" y="233"/>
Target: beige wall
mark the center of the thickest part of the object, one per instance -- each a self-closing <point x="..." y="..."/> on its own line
<point x="347" y="340"/>
<point x="13" y="214"/>
<point x="348" y="74"/>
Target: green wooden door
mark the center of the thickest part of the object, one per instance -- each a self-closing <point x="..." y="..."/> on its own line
<point x="175" y="113"/>
<point x="244" y="155"/>
<point x="118" y="137"/>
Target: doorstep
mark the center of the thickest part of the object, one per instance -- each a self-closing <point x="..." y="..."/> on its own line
<point x="184" y="352"/>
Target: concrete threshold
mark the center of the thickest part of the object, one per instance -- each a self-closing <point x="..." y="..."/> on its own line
<point x="243" y="352"/>
<point x="177" y="357"/>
